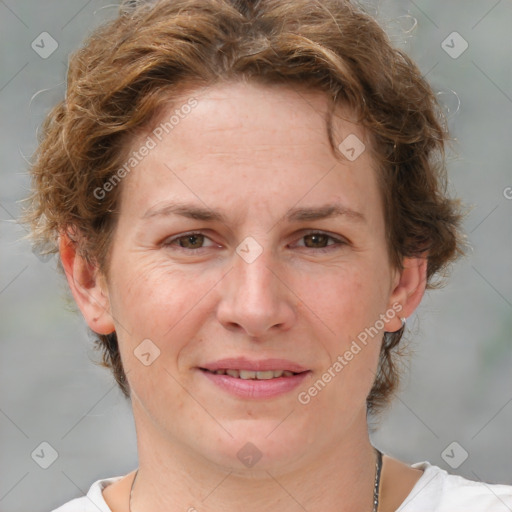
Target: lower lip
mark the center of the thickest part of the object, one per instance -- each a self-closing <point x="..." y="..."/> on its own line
<point x="253" y="388"/>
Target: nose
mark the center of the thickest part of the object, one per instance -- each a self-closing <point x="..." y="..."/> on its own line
<point x="255" y="297"/>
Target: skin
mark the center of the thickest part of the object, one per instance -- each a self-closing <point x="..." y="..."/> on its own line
<point x="252" y="152"/>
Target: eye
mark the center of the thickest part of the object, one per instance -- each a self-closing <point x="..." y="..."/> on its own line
<point x="320" y="241"/>
<point x="188" y="241"/>
<point x="195" y="241"/>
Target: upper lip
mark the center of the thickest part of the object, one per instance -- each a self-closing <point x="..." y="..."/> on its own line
<point x="242" y="363"/>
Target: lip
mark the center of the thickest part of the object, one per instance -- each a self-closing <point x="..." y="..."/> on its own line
<point x="253" y="388"/>
<point x="242" y="363"/>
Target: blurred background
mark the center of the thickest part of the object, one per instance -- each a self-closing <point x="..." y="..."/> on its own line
<point x="455" y="406"/>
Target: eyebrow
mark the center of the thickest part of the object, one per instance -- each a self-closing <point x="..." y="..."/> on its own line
<point x="323" y="212"/>
<point x="297" y="214"/>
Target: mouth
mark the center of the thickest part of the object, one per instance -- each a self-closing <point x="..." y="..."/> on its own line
<point x="248" y="379"/>
<point x="252" y="375"/>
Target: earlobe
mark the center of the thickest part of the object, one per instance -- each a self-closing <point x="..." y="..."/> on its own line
<point x="408" y="291"/>
<point x="87" y="285"/>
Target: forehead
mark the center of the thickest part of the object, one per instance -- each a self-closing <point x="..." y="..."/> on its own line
<point x="267" y="142"/>
<point x="274" y="114"/>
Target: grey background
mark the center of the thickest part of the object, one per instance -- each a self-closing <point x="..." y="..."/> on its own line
<point x="459" y="384"/>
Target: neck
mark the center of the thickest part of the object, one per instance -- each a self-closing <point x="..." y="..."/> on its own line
<point x="174" y="477"/>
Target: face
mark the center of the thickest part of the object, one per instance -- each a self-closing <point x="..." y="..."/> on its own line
<point x="243" y="243"/>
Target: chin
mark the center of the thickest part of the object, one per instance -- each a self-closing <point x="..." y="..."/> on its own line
<point x="257" y="446"/>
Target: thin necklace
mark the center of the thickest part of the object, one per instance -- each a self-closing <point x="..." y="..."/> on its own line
<point x="376" y="488"/>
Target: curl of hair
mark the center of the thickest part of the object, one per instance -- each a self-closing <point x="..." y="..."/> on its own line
<point x="154" y="52"/>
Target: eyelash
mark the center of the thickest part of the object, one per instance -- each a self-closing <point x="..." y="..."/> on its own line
<point x="170" y="242"/>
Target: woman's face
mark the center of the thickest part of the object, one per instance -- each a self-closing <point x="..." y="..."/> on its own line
<point x="286" y="269"/>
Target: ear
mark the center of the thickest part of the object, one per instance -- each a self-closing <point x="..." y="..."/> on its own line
<point x="408" y="290"/>
<point x="88" y="287"/>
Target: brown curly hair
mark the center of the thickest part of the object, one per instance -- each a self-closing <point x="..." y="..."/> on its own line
<point x="131" y="66"/>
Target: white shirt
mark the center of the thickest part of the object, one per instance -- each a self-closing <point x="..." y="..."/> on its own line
<point x="435" y="491"/>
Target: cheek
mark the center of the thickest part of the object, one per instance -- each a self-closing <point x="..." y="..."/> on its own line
<point x="150" y="300"/>
<point x="157" y="311"/>
<point x="345" y="299"/>
<point x="348" y="301"/>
